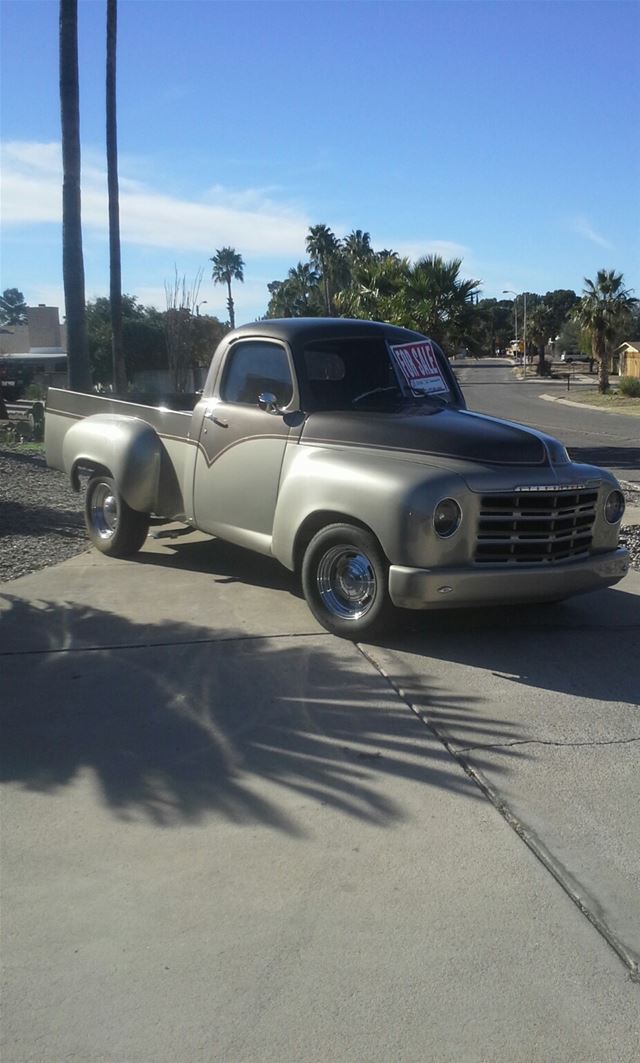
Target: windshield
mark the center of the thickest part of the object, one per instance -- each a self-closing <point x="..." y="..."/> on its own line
<point x="369" y="374"/>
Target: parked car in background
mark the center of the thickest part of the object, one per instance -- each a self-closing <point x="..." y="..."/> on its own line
<point x="574" y="356"/>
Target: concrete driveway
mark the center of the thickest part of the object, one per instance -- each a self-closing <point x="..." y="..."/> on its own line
<point x="229" y="836"/>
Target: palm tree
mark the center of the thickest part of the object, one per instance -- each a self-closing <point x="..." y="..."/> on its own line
<point x="439" y="301"/>
<point x="72" y="258"/>
<point x="228" y="266"/>
<point x="323" y="248"/>
<point x="357" y="246"/>
<point x="604" y="307"/>
<point x="115" y="271"/>
<point x="303" y="280"/>
<point x="376" y="291"/>
<point x="298" y="295"/>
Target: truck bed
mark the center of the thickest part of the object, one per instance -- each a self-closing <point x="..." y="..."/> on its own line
<point x="66" y="409"/>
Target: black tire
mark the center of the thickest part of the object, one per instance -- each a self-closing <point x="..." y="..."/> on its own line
<point x="345" y="579"/>
<point x="113" y="527"/>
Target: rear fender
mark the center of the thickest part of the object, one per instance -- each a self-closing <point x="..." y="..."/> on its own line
<point x="128" y="448"/>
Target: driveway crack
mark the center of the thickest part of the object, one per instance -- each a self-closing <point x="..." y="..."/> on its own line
<point x="585" y="903"/>
<point x="548" y="742"/>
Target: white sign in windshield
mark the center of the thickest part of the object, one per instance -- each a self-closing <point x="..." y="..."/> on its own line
<point x="419" y="365"/>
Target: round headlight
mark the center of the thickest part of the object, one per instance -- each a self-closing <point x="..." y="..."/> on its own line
<point x="446" y="517"/>
<point x="614" y="507"/>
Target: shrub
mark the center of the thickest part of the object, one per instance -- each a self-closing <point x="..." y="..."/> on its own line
<point x="35" y="392"/>
<point x="630" y="386"/>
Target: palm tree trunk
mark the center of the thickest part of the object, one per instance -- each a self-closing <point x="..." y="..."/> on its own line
<point x="72" y="258"/>
<point x="115" y="271"/>
<point x="232" y="316"/>
<point x="325" y="281"/>
<point x="599" y="352"/>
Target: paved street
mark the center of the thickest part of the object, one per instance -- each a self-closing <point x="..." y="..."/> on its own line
<point x="593" y="436"/>
<point x="229" y="836"/>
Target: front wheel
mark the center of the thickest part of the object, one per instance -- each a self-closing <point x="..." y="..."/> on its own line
<point x="345" y="582"/>
<point x="113" y="527"/>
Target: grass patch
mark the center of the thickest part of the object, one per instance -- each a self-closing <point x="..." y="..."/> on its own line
<point x="613" y="400"/>
<point x="25" y="448"/>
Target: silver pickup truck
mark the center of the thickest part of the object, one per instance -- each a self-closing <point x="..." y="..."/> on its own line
<point x="344" y="449"/>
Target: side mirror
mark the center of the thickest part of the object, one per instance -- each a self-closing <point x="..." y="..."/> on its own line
<point x="268" y="402"/>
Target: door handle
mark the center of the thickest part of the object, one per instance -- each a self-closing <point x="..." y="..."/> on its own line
<point x="220" y="422"/>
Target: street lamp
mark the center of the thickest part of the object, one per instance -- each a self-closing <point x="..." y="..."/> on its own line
<point x="198" y="305"/>
<point x="509" y="291"/>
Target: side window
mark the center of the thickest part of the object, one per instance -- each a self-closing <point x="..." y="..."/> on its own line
<point x="253" y="367"/>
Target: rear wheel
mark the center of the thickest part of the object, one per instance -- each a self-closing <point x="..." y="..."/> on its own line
<point x="114" y="528"/>
<point x="345" y="582"/>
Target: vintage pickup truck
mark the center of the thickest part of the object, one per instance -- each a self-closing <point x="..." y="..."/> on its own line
<point x="344" y="449"/>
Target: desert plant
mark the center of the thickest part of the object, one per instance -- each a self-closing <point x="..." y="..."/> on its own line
<point x="629" y="386"/>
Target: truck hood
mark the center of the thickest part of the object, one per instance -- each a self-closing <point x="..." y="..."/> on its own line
<point x="438" y="432"/>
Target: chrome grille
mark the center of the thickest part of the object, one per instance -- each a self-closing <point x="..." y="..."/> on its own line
<point x="538" y="528"/>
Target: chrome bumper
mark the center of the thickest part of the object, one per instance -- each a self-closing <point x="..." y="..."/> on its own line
<point x="424" y="588"/>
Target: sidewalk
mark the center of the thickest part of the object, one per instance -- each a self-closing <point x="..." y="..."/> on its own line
<point x="227" y="837"/>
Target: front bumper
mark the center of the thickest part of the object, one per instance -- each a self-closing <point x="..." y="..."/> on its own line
<point x="424" y="588"/>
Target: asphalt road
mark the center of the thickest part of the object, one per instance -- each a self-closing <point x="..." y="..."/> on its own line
<point x="592" y="436"/>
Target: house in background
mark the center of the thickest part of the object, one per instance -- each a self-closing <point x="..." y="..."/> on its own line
<point x="35" y="352"/>
<point x="628" y="354"/>
<point x="42" y="331"/>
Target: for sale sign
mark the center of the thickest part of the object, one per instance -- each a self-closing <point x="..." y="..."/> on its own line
<point x="419" y="365"/>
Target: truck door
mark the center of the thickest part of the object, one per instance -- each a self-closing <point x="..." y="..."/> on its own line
<point x="241" y="446"/>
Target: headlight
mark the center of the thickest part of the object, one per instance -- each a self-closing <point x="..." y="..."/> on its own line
<point x="614" y="507"/>
<point x="446" y="517"/>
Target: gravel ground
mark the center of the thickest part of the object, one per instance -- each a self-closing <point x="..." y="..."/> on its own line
<point x="41" y="521"/>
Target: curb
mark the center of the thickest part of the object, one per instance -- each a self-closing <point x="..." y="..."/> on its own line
<point x="583" y="405"/>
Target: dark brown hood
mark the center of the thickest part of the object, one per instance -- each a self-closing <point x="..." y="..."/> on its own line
<point x="447" y="433"/>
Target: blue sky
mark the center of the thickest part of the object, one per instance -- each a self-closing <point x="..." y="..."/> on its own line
<point x="502" y="133"/>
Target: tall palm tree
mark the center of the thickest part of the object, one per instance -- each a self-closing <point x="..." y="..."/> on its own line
<point x="603" y="308"/>
<point x="115" y="271"/>
<point x="72" y="258"/>
<point x="357" y="246"/>
<point x="323" y="248"/>
<point x="228" y="266"/>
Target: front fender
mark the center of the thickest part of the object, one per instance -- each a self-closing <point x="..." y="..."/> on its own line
<point x="128" y="447"/>
<point x="394" y="498"/>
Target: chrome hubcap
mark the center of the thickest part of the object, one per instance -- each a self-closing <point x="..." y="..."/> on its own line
<point x="346" y="582"/>
<point x="104" y="511"/>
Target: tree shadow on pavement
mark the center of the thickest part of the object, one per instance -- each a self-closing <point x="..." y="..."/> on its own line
<point x="175" y="724"/>
<point x="577" y="647"/>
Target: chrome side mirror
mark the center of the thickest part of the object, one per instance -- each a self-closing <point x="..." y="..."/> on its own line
<point x="268" y="402"/>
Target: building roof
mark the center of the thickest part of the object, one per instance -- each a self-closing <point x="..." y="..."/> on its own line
<point x="49" y="354"/>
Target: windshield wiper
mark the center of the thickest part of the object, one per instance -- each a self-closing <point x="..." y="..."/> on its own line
<point x="376" y="391"/>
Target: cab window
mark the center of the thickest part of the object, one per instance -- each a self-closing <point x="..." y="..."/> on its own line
<point x="255" y="366"/>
